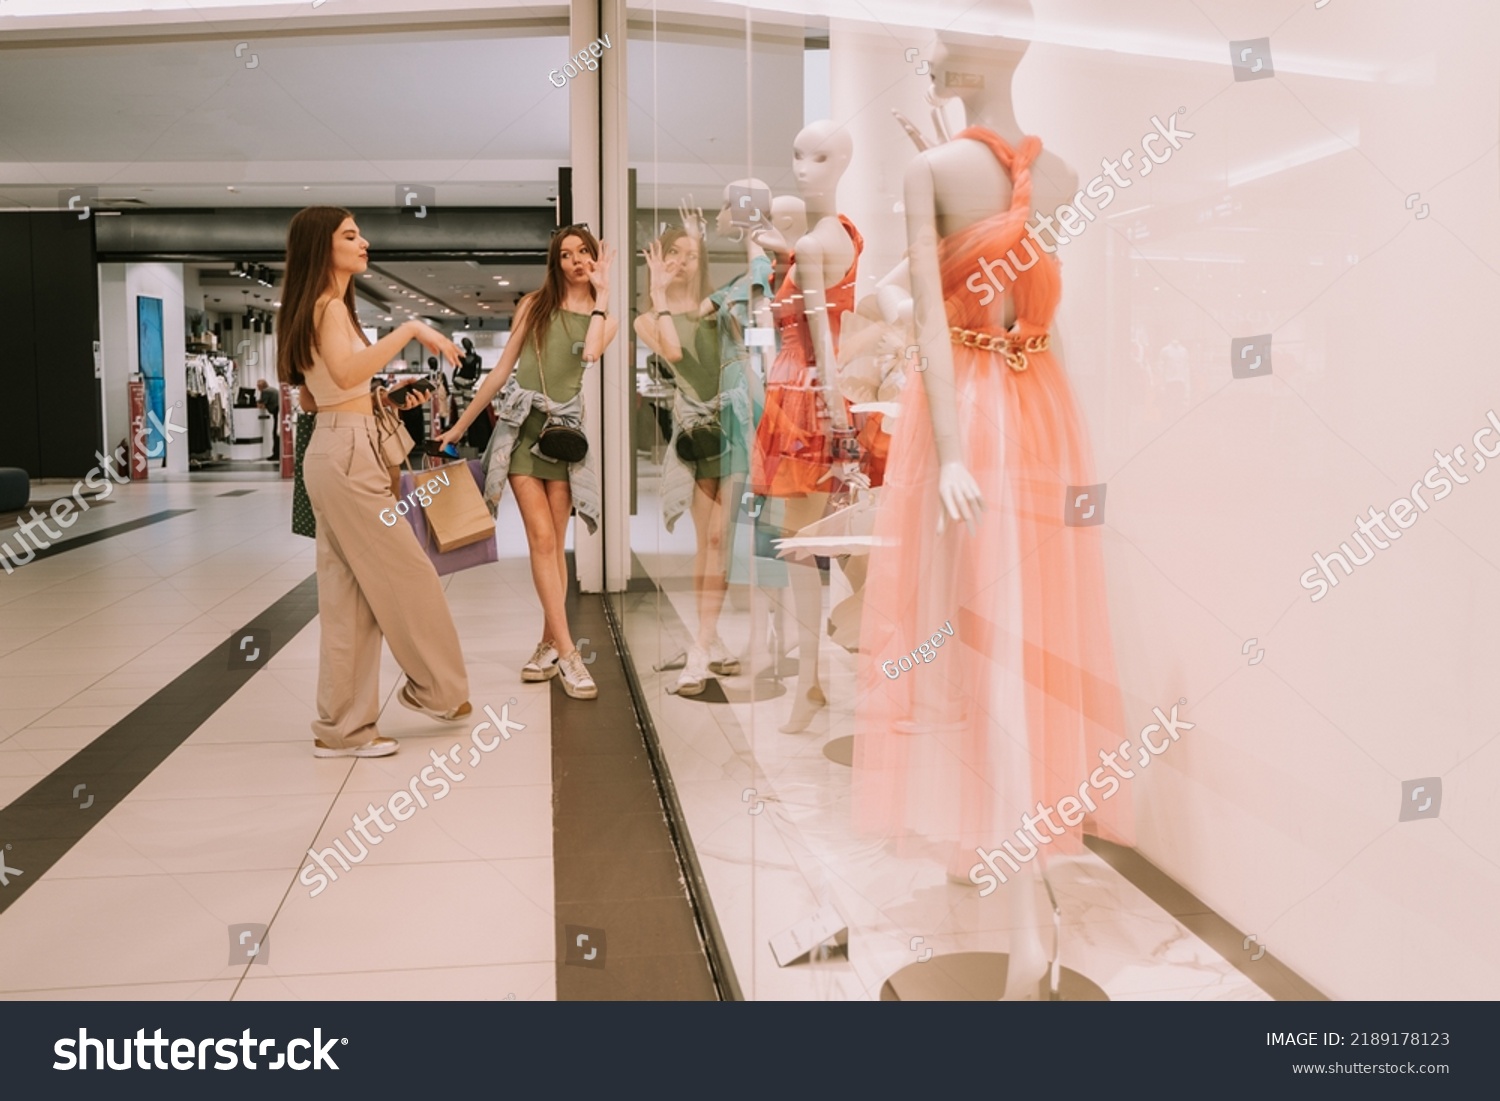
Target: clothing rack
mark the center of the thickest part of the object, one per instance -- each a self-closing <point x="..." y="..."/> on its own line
<point x="210" y="397"/>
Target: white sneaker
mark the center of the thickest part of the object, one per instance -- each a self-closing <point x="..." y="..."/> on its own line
<point x="378" y="747"/>
<point x="721" y="661"/>
<point x="542" y="665"/>
<point x="576" y="681"/>
<point x="694" y="676"/>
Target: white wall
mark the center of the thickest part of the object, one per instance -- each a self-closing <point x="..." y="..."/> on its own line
<point x="1286" y="213"/>
<point x="119" y="287"/>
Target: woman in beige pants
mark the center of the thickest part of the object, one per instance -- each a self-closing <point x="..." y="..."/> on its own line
<point x="373" y="580"/>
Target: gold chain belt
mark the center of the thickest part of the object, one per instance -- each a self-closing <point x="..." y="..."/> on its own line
<point x="1013" y="345"/>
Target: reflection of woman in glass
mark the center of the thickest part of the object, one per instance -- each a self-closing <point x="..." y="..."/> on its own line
<point x="741" y="304"/>
<point x="674" y="329"/>
<point x="556" y="333"/>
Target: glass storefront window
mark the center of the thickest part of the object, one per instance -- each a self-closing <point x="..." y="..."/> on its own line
<point x="1115" y="288"/>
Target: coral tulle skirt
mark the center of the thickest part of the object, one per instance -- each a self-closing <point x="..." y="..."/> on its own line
<point x="1016" y="700"/>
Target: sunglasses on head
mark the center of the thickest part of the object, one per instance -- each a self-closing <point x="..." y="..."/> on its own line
<point x="574" y="228"/>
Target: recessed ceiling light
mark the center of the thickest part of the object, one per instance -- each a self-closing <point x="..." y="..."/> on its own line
<point x="392" y="286"/>
<point x="232" y="189"/>
<point x="367" y="275"/>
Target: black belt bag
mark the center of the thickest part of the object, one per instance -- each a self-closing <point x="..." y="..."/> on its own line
<point x="700" y="443"/>
<point x="559" y="442"/>
<point x="562" y="444"/>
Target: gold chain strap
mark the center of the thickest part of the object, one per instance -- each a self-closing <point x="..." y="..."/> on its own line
<point x="1012" y="345"/>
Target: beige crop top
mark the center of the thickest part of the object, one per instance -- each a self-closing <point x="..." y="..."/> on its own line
<point x="324" y="391"/>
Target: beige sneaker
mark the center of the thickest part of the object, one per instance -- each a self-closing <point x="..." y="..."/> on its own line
<point x="576" y="681"/>
<point x="542" y="664"/>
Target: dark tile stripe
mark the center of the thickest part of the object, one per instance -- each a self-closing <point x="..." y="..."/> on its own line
<point x="615" y="864"/>
<point x="235" y="493"/>
<point x="103" y="533"/>
<point x="1268" y="973"/>
<point x="40" y="827"/>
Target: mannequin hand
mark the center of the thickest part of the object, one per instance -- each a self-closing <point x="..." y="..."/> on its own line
<point x="959" y="495"/>
<point x="599" y="269"/>
<point x="848" y="475"/>
<point x="912" y="132"/>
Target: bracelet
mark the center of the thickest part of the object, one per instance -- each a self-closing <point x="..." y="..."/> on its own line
<point x="599" y="313"/>
<point x="663" y="313"/>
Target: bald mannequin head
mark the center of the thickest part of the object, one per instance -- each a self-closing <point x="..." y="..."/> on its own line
<point x="820" y="155"/>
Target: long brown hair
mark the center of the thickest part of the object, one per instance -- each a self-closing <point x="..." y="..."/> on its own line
<point x="543" y="303"/>
<point x="309" y="272"/>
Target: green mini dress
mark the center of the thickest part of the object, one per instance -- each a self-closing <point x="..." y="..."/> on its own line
<point x="698" y="369"/>
<point x="562" y="359"/>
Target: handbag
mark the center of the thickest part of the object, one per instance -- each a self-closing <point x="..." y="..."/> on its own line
<point x="560" y="442"/>
<point x="456" y="557"/>
<point x="394" y="440"/>
<point x="303" y="520"/>
<point x="701" y="443"/>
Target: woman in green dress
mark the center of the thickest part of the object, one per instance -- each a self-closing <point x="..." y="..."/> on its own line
<point x="557" y="332"/>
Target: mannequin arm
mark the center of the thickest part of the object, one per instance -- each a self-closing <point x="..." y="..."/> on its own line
<point x="815" y="304"/>
<point x="960" y="494"/>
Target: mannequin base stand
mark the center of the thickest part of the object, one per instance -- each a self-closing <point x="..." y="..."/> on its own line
<point x="977" y="977"/>
<point x="840" y="750"/>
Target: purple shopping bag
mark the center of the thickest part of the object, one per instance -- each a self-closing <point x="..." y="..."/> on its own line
<point x="475" y="554"/>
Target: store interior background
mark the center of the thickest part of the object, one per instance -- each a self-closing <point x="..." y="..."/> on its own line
<point x="1286" y="213"/>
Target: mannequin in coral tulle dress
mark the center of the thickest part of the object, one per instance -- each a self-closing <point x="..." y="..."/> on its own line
<point x="971" y="541"/>
<point x="803" y="443"/>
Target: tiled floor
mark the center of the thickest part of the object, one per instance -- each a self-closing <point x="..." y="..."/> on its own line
<point x="459" y="901"/>
<point x="133" y="895"/>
